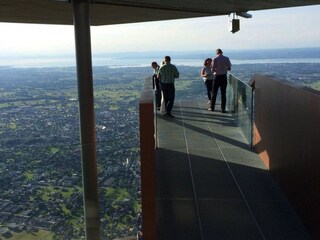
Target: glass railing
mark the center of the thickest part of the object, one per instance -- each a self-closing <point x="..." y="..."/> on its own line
<point x="190" y="87"/>
<point x="41" y="194"/>
<point x="240" y="103"/>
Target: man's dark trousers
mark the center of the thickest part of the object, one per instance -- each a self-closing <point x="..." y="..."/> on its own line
<point x="156" y="87"/>
<point x="158" y="98"/>
<point x="221" y="82"/>
<point x="168" y="91"/>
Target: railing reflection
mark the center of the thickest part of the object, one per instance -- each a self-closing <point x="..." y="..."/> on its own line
<point x="240" y="100"/>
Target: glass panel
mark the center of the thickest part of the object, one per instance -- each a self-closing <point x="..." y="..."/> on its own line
<point x="40" y="164"/>
<point x="240" y="103"/>
<point x="117" y="97"/>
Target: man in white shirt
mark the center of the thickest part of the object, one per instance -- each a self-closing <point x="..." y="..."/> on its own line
<point x="167" y="74"/>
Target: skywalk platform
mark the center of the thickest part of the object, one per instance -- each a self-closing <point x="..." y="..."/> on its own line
<point x="211" y="186"/>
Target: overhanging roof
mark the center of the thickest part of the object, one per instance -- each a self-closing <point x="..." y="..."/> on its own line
<point x="104" y="12"/>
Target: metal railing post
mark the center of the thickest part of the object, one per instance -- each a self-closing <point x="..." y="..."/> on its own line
<point x="252" y="118"/>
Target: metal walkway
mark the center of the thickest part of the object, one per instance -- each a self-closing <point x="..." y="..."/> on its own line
<point x="210" y="185"/>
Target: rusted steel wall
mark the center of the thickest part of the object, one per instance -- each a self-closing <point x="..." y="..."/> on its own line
<point x="147" y="158"/>
<point x="287" y="137"/>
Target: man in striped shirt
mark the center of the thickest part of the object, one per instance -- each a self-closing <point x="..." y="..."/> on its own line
<point x="167" y="74"/>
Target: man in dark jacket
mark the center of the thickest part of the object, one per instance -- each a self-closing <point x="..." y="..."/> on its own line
<point x="156" y="84"/>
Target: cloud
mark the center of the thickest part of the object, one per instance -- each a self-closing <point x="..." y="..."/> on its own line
<point x="26" y="39"/>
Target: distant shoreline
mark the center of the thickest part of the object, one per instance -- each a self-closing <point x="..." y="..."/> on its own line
<point x="195" y="58"/>
<point x="115" y="63"/>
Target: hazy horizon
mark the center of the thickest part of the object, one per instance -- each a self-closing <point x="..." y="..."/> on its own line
<point x="267" y="29"/>
<point x="187" y="58"/>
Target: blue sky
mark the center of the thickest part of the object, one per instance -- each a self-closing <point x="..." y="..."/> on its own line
<point x="279" y="28"/>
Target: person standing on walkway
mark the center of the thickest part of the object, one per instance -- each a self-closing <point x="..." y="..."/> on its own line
<point x="207" y="76"/>
<point x="220" y="66"/>
<point x="167" y="74"/>
<point x="156" y="84"/>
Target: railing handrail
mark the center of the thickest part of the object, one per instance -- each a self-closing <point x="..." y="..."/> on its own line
<point x="238" y="79"/>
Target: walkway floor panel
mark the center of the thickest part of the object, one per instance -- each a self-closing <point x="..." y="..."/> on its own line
<point x="210" y="185"/>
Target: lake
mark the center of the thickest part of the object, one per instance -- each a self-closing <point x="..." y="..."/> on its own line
<point x="195" y="58"/>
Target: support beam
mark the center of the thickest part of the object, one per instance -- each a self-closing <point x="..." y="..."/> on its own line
<point x="87" y="122"/>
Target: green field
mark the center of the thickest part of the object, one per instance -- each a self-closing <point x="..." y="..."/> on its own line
<point x="315" y="85"/>
<point x="40" y="235"/>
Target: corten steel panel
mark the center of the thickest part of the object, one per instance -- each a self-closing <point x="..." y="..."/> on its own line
<point x="147" y="158"/>
<point x="287" y="137"/>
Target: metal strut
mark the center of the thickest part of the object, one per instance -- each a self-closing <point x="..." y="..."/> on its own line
<point x="87" y="123"/>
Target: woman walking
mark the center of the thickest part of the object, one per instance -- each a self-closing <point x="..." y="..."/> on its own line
<point x="207" y="76"/>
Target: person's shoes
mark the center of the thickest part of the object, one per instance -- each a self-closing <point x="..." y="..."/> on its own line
<point x="210" y="109"/>
<point x="224" y="111"/>
<point x="168" y="115"/>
